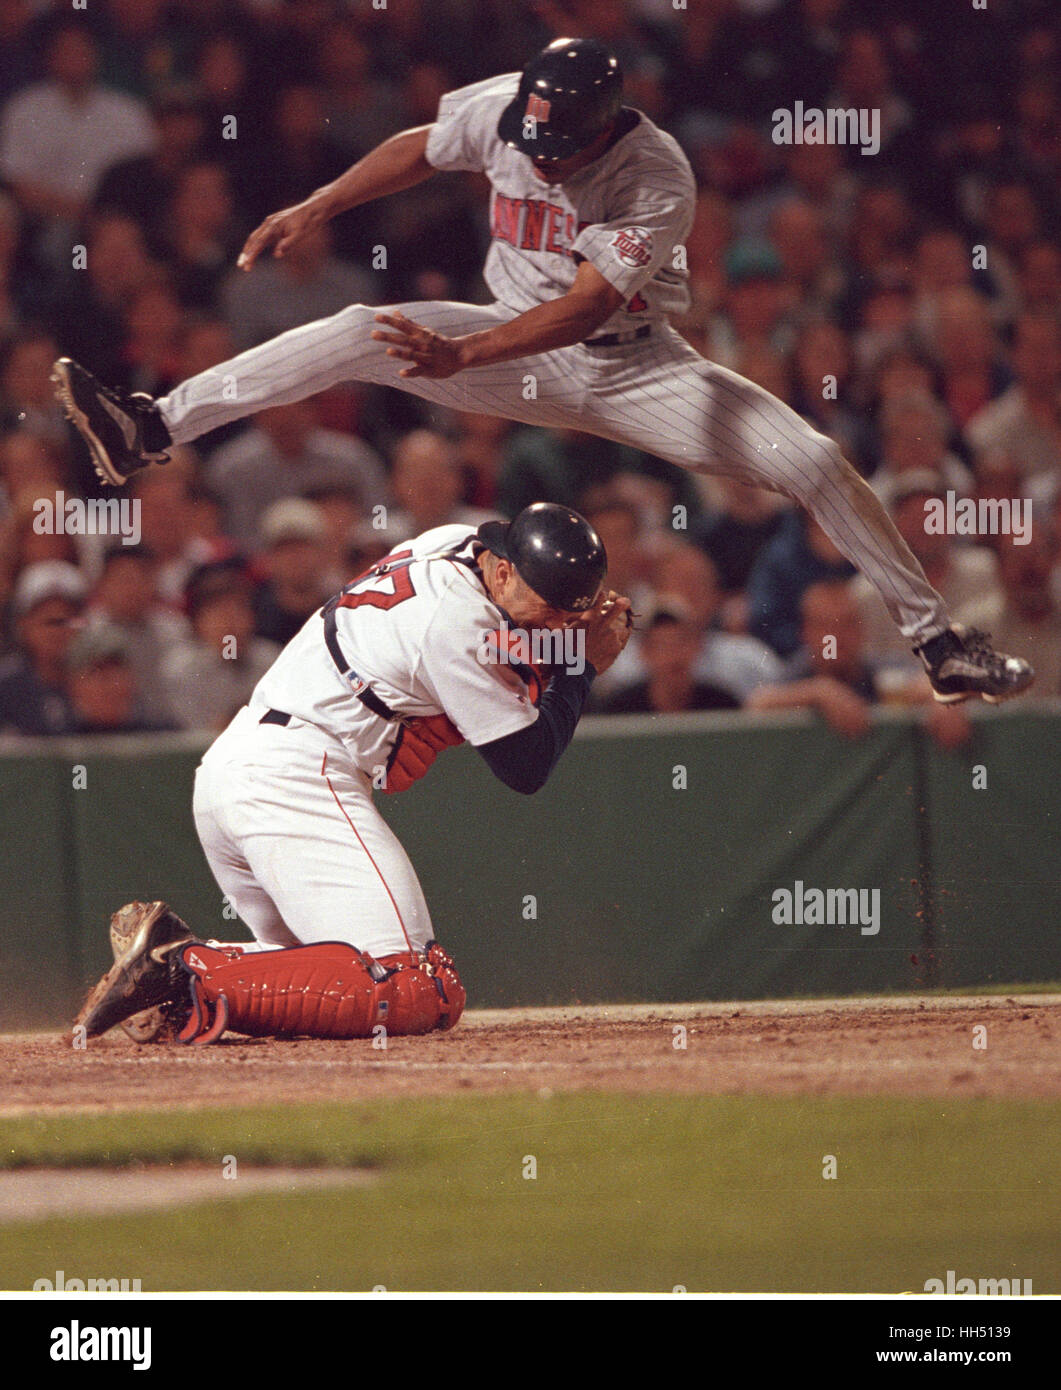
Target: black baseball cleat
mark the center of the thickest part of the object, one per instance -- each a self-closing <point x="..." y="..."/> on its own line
<point x="123" y="432"/>
<point x="961" y="662"/>
<point x="145" y="976"/>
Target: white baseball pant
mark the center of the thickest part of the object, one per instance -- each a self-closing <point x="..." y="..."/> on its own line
<point x="297" y="846"/>
<point x="656" y="394"/>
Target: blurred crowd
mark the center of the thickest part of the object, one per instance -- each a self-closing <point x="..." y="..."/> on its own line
<point x="906" y="303"/>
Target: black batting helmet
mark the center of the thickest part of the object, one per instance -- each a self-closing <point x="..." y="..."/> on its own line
<point x="554" y="550"/>
<point x="567" y="95"/>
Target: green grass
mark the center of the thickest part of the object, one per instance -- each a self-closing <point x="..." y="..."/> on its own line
<point x="632" y="1193"/>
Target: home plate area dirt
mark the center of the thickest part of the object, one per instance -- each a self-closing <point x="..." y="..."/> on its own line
<point x="932" y="1046"/>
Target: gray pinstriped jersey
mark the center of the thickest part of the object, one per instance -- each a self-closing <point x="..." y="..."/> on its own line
<point x="625" y="213"/>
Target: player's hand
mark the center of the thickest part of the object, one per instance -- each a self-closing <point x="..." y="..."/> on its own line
<point x="280" y="230"/>
<point x="430" y="353"/>
<point x="607" y="626"/>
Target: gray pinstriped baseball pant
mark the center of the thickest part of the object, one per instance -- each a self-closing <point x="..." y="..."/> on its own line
<point x="657" y="395"/>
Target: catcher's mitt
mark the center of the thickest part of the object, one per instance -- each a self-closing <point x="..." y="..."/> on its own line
<point x="157" y="1025"/>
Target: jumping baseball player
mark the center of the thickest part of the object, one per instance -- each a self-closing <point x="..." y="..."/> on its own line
<point x="589" y="205"/>
<point x="428" y="648"/>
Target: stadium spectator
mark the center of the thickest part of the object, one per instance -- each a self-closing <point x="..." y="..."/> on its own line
<point x="428" y="485"/>
<point x="754" y="309"/>
<point x="669" y="648"/>
<point x="480" y="441"/>
<point x="102" y="687"/>
<point x="47" y="602"/>
<point x="26" y="396"/>
<point x="125" y="603"/>
<point x="285" y="453"/>
<point x="57" y="137"/>
<point x="1040" y="278"/>
<point x="813" y="278"/>
<point x="202" y="232"/>
<point x="144" y="186"/>
<point x="211" y="675"/>
<point x="822" y="370"/>
<point x="294" y="559"/>
<point x="827" y="672"/>
<point x="733" y="661"/>
<point x="798" y="555"/>
<point x="168" y="526"/>
<point x="913" y="432"/>
<point x="1025" y="421"/>
<point x="971" y="366"/>
<point x="152" y="330"/>
<point x="741" y="521"/>
<point x="308" y="283"/>
<point x="90" y="314"/>
<point x="564" y="466"/>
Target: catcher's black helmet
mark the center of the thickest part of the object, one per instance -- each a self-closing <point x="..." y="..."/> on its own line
<point x="554" y="550"/>
<point x="567" y="95"/>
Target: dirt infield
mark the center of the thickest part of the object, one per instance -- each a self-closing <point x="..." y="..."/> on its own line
<point x="992" y="1046"/>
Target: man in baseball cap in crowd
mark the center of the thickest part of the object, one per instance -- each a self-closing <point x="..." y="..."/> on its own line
<point x="46" y="605"/>
<point x="102" y="685"/>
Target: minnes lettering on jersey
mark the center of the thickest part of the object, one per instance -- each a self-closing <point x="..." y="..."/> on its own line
<point x="533" y="224"/>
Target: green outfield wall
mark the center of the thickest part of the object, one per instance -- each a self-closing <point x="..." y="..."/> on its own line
<point x="649" y="868"/>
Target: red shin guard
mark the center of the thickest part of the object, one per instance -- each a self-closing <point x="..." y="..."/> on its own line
<point x="328" y="990"/>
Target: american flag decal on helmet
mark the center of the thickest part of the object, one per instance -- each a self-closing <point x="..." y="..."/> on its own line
<point x="537" y="107"/>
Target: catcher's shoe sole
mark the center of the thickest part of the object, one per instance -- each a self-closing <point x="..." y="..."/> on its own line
<point x="64" y="392"/>
<point x="158" y="1025"/>
<point x="140" y="979"/>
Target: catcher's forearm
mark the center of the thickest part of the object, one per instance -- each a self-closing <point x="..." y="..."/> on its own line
<point x="524" y="760"/>
<point x="400" y="162"/>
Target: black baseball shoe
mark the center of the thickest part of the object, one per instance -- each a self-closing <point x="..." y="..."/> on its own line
<point x="146" y="975"/>
<point x="123" y="432"/>
<point x="962" y="662"/>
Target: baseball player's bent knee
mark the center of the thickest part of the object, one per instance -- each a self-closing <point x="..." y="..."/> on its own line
<point x="823" y="471"/>
<point x="327" y="990"/>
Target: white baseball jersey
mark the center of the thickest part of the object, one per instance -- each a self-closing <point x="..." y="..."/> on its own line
<point x="413" y="636"/>
<point x="626" y="212"/>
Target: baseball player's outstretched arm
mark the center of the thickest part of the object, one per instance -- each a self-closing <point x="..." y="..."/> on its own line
<point x="573" y="316"/>
<point x="398" y="163"/>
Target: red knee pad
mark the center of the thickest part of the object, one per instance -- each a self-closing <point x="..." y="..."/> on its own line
<point x="328" y="990"/>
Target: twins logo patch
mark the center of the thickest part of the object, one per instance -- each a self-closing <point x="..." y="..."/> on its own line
<point x="633" y="247"/>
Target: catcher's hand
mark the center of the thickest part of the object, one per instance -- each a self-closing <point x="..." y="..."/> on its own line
<point x="607" y="625"/>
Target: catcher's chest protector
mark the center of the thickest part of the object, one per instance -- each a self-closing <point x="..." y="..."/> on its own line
<point x="327" y="990"/>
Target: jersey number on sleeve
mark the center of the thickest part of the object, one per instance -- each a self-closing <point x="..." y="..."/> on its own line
<point x="392" y="574"/>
